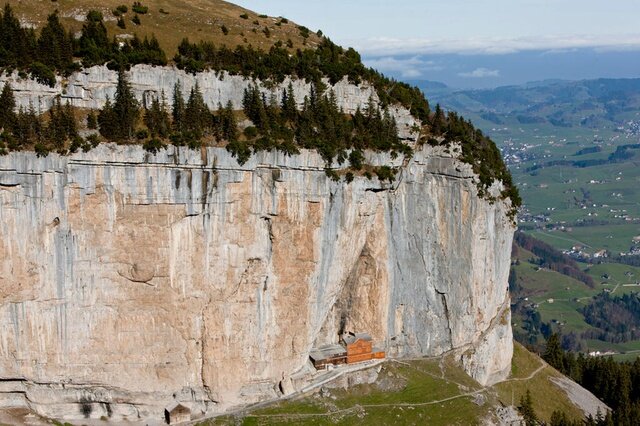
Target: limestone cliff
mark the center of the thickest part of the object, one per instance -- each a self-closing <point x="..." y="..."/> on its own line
<point x="91" y="87"/>
<point x="130" y="280"/>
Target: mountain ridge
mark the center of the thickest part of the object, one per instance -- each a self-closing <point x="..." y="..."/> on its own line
<point x="197" y="20"/>
<point x="162" y="269"/>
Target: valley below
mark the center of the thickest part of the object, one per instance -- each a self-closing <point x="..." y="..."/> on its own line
<point x="572" y="148"/>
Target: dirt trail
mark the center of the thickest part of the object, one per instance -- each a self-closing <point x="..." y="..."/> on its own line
<point x="542" y="366"/>
<point x="357" y="407"/>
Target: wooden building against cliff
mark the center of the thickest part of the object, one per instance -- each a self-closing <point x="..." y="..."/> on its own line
<point x="353" y="348"/>
<point x="360" y="348"/>
<point x="177" y="413"/>
<point x="328" y="355"/>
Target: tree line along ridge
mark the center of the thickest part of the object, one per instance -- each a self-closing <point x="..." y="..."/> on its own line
<point x="278" y="123"/>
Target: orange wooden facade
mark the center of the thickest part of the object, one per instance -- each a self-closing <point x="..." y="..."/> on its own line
<point x="359" y="351"/>
<point x="378" y="355"/>
<point x="353" y="348"/>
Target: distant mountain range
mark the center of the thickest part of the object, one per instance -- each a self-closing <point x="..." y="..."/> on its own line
<point x="589" y="103"/>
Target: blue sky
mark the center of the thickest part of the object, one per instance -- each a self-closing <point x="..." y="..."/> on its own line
<point x="462" y="24"/>
<point x="399" y="37"/>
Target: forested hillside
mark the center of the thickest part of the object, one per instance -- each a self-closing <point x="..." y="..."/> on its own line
<point x="616" y="384"/>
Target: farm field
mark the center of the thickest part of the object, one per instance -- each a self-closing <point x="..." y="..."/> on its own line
<point x="546" y="297"/>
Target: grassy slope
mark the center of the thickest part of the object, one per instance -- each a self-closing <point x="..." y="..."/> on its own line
<point x="196" y="19"/>
<point x="546" y="397"/>
<point x="434" y="392"/>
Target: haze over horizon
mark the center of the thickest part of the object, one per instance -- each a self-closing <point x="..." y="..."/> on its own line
<point x="469" y="44"/>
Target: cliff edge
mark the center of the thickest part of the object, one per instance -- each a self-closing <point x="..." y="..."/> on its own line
<point x="131" y="280"/>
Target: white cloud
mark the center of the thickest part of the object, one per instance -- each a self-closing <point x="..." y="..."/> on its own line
<point x="411" y="67"/>
<point x="480" y="73"/>
<point x="395" y="46"/>
<point x="411" y="73"/>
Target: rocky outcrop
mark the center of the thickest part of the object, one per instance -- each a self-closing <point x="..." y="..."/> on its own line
<point x="91" y="87"/>
<point x="131" y="280"/>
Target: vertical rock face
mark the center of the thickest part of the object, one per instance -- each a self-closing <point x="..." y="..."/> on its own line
<point x="129" y="280"/>
<point x="91" y="87"/>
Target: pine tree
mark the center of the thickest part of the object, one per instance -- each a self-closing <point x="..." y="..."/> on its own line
<point x="178" y="109"/>
<point x="20" y="131"/>
<point x="125" y="109"/>
<point x="94" y="45"/>
<point x="438" y="122"/>
<point x="164" y="120"/>
<point x="526" y="410"/>
<point x="228" y="123"/>
<point x="56" y="128"/>
<point x="55" y="45"/>
<point x="359" y="126"/>
<point x="107" y="120"/>
<point x="156" y="118"/>
<point x="62" y="124"/>
<point x="305" y="133"/>
<point x="622" y="391"/>
<point x="273" y="114"/>
<point x="17" y="44"/>
<point x="560" y="418"/>
<point x="371" y="111"/>
<point x="197" y="114"/>
<point x="313" y="96"/>
<point x="69" y="122"/>
<point x="216" y="122"/>
<point x="7" y="107"/>
<point x="289" y="107"/>
<point x="36" y="124"/>
<point x="255" y="104"/>
<point x="92" y="121"/>
<point x="554" y="354"/>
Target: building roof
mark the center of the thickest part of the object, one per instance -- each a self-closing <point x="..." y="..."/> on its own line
<point x="327" y="351"/>
<point x="350" y="338"/>
<point x="177" y="407"/>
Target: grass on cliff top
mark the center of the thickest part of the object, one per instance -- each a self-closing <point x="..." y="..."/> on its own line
<point x="429" y="391"/>
<point x="173" y="20"/>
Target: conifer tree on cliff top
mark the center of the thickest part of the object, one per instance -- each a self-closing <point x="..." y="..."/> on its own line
<point x="118" y="121"/>
<point x="7" y="107"/>
<point x="156" y="118"/>
<point x="55" y="45"/>
<point x="197" y="114"/>
<point x="178" y="109"/>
